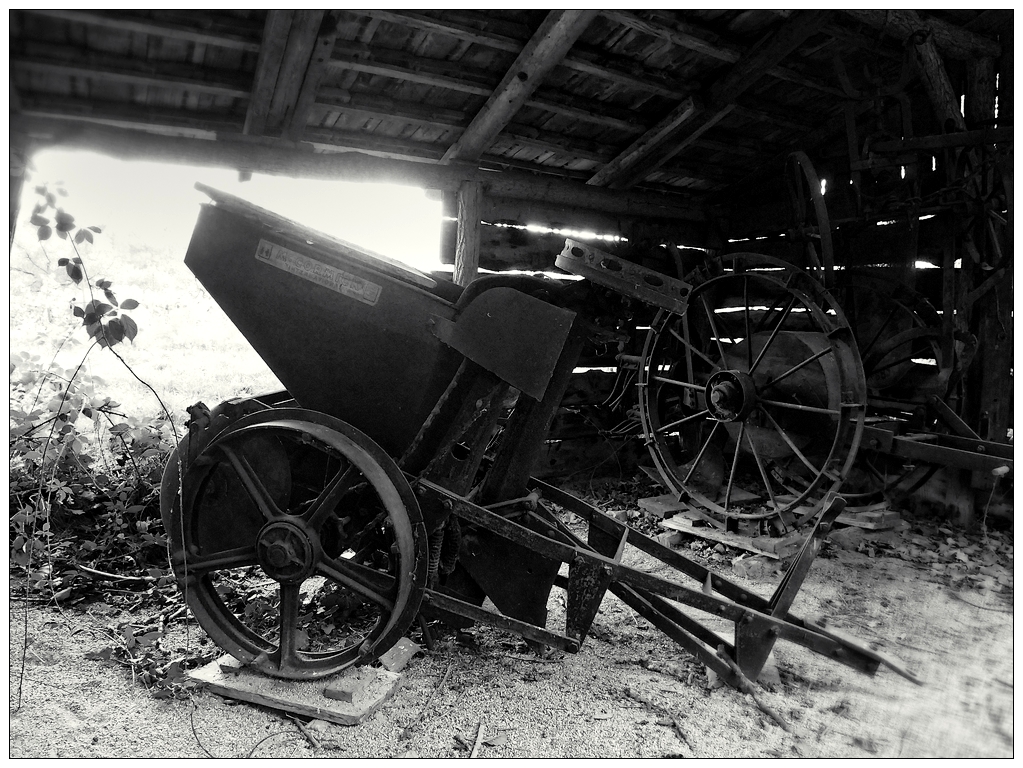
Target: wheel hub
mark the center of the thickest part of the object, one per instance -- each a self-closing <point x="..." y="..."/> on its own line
<point x="731" y="395"/>
<point x="287" y="551"/>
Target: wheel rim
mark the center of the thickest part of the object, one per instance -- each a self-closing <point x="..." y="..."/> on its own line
<point x="300" y="546"/>
<point x="760" y="429"/>
<point x="811" y="226"/>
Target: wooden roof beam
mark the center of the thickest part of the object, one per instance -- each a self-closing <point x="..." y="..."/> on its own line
<point x="268" y="66"/>
<point x="548" y="46"/>
<point x="645" y="145"/>
<point x="725" y="91"/>
<point x="276" y="157"/>
<point x="322" y="50"/>
<point x="305" y="26"/>
<point x="133" y="23"/>
<point x="954" y="42"/>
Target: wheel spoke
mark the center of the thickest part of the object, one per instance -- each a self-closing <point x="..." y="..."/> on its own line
<point x="763" y="470"/>
<point x="693" y="349"/>
<point x="367" y="582"/>
<point x="253" y="485"/>
<point x="745" y="312"/>
<point x="229" y="558"/>
<point x="796" y="367"/>
<point x="677" y="383"/>
<point x="329" y="497"/>
<point x="290" y="604"/>
<point x="797" y="407"/>
<point x="714" y="329"/>
<point x="891" y="364"/>
<point x="699" y="456"/>
<point x="891" y="315"/>
<point x="762" y="322"/>
<point x="774" y="334"/>
<point x="735" y="464"/>
<point x="792" y="445"/>
<point x="668" y="427"/>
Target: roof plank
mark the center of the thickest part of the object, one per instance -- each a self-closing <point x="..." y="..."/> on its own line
<point x="140" y="25"/>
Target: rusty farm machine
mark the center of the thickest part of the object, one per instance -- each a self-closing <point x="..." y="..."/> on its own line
<point x="390" y="483"/>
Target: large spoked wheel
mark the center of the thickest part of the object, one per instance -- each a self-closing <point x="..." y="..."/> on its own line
<point x="752" y="401"/>
<point x="297" y="542"/>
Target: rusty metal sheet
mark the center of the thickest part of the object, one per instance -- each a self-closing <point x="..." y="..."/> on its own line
<point x="511" y="334"/>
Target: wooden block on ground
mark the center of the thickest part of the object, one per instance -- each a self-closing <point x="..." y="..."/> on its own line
<point x="684" y="524"/>
<point x="399" y="655"/>
<point x="301" y="697"/>
<point x="783" y="547"/>
<point x="871" y="518"/>
<point x="661" y="506"/>
<point x="350" y="686"/>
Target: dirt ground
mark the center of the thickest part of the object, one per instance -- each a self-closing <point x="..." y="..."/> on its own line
<point x="630" y="692"/>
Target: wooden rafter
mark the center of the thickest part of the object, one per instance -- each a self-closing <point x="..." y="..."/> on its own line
<point x="548" y="46"/>
<point x="127" y="22"/>
<point x="753" y="65"/>
<point x="955" y="42"/>
<point x="271" y="52"/>
<point x="305" y="27"/>
<point x="646" y="144"/>
<point x="322" y="50"/>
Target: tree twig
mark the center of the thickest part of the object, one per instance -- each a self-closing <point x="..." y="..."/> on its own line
<point x="407" y="732"/>
<point x="114" y="576"/>
<point x="306" y="732"/>
<point x="479" y="739"/>
<point x="663" y="711"/>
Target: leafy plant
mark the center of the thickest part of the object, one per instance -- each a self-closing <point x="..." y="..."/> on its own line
<point x="84" y="475"/>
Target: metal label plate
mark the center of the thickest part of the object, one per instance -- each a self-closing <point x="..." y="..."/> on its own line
<point x="317" y="272"/>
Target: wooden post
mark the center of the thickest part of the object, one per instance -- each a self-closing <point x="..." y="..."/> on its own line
<point x="467" y="249"/>
<point x="938" y="86"/>
<point x="18" y="161"/>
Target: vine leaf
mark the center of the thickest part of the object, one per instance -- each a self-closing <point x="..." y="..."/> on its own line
<point x="130" y="329"/>
<point x="129" y="304"/>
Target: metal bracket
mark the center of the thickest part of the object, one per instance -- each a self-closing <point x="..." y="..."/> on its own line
<point x="624" y="277"/>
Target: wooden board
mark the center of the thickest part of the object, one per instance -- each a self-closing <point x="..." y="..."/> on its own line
<point x="301" y="697"/>
<point x="681" y="523"/>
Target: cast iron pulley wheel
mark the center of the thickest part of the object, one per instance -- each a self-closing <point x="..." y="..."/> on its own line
<point x="297" y="542"/>
<point x="752" y="401"/>
<point x="906" y="359"/>
<point x="898" y="334"/>
<point x="811" y="228"/>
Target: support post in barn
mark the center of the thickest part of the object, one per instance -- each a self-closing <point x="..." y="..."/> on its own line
<point x="18" y="161"/>
<point x="991" y="320"/>
<point x="467" y="249"/>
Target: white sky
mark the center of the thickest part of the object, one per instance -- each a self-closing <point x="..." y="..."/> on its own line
<point x="159" y="200"/>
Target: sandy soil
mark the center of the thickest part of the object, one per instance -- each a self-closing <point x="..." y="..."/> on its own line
<point x="618" y="697"/>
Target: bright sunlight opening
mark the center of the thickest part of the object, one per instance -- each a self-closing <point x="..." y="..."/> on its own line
<point x="158" y="201"/>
